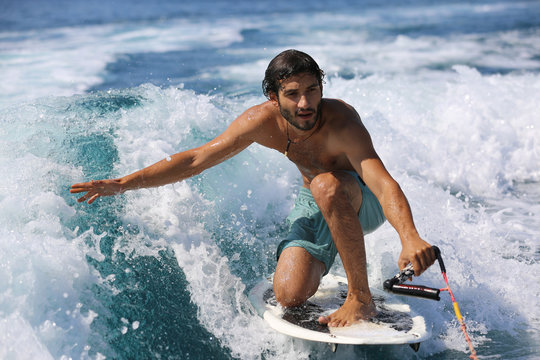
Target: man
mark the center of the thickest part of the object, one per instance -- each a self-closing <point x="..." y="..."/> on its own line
<point x="346" y="191"/>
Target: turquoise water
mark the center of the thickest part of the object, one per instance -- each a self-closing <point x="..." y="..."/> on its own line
<point x="102" y="89"/>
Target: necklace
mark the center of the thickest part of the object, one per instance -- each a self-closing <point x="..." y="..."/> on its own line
<point x="289" y="141"/>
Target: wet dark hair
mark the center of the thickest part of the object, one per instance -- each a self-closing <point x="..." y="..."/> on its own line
<point x="286" y="64"/>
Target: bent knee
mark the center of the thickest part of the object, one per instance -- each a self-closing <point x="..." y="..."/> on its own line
<point x="290" y="290"/>
<point x="297" y="276"/>
<point x="289" y="297"/>
<point x="325" y="186"/>
<point x="329" y="187"/>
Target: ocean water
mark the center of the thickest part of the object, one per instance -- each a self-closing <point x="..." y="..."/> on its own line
<point x="97" y="89"/>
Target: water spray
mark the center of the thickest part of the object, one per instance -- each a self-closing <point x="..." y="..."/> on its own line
<point x="397" y="286"/>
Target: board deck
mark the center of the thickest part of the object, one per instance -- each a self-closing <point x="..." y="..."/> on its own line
<point x="395" y="323"/>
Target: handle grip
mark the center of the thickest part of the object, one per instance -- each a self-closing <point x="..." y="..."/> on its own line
<point x="416" y="291"/>
<point x="396" y="285"/>
<point x="400" y="278"/>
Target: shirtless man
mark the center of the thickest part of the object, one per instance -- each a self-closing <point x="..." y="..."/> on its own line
<point x="346" y="193"/>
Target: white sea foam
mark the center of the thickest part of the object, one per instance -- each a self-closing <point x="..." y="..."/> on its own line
<point x="475" y="229"/>
<point x="464" y="147"/>
<point x="225" y="310"/>
<point x="173" y="214"/>
<point x="362" y="53"/>
<point x="411" y="133"/>
<point x="69" y="60"/>
<point x="43" y="268"/>
<point x="477" y="133"/>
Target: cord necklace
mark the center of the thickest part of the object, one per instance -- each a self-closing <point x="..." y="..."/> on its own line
<point x="289" y="141"/>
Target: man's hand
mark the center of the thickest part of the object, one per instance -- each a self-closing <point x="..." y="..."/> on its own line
<point x="417" y="252"/>
<point x="97" y="188"/>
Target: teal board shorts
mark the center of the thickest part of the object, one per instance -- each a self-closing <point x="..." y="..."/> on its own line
<point x="308" y="229"/>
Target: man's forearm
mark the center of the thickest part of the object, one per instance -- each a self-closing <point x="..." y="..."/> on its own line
<point x="167" y="171"/>
<point x="414" y="249"/>
<point x="398" y="212"/>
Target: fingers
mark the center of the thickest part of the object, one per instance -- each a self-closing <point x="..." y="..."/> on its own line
<point x="419" y="263"/>
<point x="91" y="188"/>
<point x="82" y="187"/>
<point x="90" y="196"/>
<point x="422" y="259"/>
<point x="427" y="257"/>
<point x="77" y="190"/>
<point x="402" y="263"/>
<point x="93" y="198"/>
<point x="418" y="269"/>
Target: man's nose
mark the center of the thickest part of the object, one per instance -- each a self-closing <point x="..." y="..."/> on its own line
<point x="303" y="103"/>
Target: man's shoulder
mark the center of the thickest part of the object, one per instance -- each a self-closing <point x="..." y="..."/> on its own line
<point x="345" y="128"/>
<point x="340" y="113"/>
<point x="255" y="121"/>
<point x="261" y="112"/>
<point x="337" y="103"/>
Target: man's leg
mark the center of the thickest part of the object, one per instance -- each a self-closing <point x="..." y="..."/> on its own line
<point x="339" y="198"/>
<point x="297" y="276"/>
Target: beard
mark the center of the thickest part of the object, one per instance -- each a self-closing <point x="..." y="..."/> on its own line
<point x="291" y="119"/>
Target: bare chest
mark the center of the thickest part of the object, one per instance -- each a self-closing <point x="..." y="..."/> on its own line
<point x="315" y="158"/>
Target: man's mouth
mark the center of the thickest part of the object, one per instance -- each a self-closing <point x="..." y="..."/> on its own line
<point x="306" y="114"/>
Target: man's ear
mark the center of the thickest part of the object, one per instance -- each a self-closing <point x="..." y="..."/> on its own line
<point x="273" y="98"/>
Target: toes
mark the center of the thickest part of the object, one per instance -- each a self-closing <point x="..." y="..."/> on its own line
<point x="325" y="320"/>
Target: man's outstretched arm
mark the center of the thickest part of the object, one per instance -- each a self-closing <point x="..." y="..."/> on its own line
<point x="177" y="167"/>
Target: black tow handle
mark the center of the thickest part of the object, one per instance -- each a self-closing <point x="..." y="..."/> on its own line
<point x="397" y="286"/>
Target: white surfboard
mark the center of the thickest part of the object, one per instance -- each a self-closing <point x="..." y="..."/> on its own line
<point x="395" y="323"/>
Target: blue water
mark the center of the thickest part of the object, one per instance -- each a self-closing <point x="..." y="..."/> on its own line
<point x="98" y="89"/>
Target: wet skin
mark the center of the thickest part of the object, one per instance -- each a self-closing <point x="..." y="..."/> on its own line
<point x="326" y="138"/>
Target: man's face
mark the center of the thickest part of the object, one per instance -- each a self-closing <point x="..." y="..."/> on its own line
<point x="299" y="100"/>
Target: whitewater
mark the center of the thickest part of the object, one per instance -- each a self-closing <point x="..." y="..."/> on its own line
<point x="449" y="94"/>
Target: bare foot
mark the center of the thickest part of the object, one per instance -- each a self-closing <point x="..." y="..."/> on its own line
<point x="352" y="311"/>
